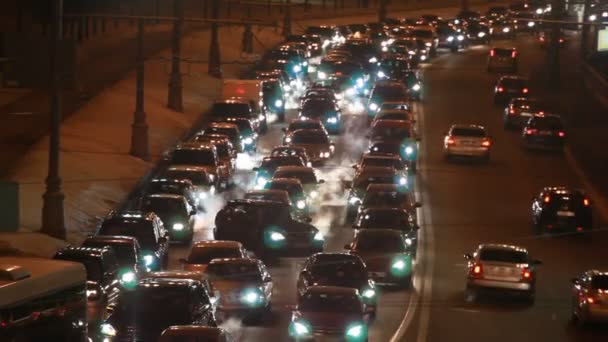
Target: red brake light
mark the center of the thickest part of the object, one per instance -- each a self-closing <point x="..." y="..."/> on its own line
<point x="477" y="270"/>
<point x="492" y="53"/>
<point x="525" y="90"/>
<point x="547" y="199"/>
<point x="511" y="111"/>
<point x="526" y="274"/>
<point x="591" y="300"/>
<point x="586" y="202"/>
<point x="561" y="40"/>
<point x="485" y="143"/>
<point x="542" y="39"/>
<point x="530" y="131"/>
<point x="513" y="54"/>
<point x="501" y="89"/>
<point x="561" y="134"/>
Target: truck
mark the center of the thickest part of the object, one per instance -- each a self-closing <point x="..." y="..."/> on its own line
<point x="246" y="91"/>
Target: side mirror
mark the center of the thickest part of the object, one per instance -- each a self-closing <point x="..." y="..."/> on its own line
<point x="417" y="204"/>
<point x="321" y="181"/>
<point x="468" y="256"/>
<point x="183" y="261"/>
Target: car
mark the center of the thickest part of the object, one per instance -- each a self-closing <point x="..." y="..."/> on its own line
<point x="450" y="38"/>
<point x="503" y="59"/>
<point x="306" y="176"/>
<point x="204" y="182"/>
<point x="558" y="209"/>
<point x="230" y="130"/>
<point x="413" y="84"/>
<point x="589" y="297"/>
<point x="544" y="132"/>
<point x="104" y="281"/>
<point x="380" y="159"/>
<point x="464" y="140"/>
<point x="286" y="150"/>
<point x="249" y="138"/>
<point x="427" y="34"/>
<point x="182" y="187"/>
<point x="297" y="124"/>
<point x="508" y="87"/>
<point x="391" y="114"/>
<point x="269" y="165"/>
<point x="209" y="292"/>
<point x="175" y="212"/>
<point x="154" y="305"/>
<point x="389" y="196"/>
<point x="387" y="256"/>
<point x="149" y="231"/>
<point x="294" y="190"/>
<point x="395" y="105"/>
<point x="195" y="333"/>
<point x="204" y="156"/>
<point x="316" y="143"/>
<point x="236" y="107"/>
<point x="325" y="110"/>
<point x="501" y="268"/>
<point x="226" y="152"/>
<point x="329" y="34"/>
<point x="202" y="252"/>
<point x="330" y="312"/>
<point x="392" y="67"/>
<point x="385" y="91"/>
<point x="338" y="269"/>
<point x="525" y="21"/>
<point x="544" y="39"/>
<point x="245" y="287"/>
<point x="478" y="33"/>
<point x="403" y="219"/>
<point x="497" y="12"/>
<point x="502" y="29"/>
<point x="269" y="195"/>
<point x="520" y="110"/>
<point x="400" y="133"/>
<point x="126" y="249"/>
<point x="371" y="175"/>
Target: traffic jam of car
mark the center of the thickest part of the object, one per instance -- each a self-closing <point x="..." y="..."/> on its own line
<point x="311" y="88"/>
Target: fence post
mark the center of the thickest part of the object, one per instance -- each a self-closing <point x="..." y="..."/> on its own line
<point x="215" y="63"/>
<point x="287" y="19"/>
<point x="139" y="128"/>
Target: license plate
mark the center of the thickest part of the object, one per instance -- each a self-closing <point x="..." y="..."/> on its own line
<point x="564" y="213"/>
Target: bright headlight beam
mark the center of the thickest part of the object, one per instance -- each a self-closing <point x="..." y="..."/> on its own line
<point x="276" y="236"/>
<point x="355" y="331"/>
<point x="301" y="204"/>
<point x="369" y="293"/>
<point x="319" y="236"/>
<point x="300" y="329"/>
<point x="178" y="226"/>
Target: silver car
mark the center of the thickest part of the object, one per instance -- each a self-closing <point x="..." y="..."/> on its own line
<point x="467" y="141"/>
<point x="590" y="297"/>
<point x="502" y="268"/>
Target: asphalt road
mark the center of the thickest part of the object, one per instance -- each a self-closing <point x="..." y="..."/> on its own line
<point x="464" y="204"/>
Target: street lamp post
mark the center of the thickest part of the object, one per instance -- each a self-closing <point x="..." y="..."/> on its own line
<point x="175" y="80"/>
<point x="139" y="128"/>
<point x="215" y="64"/>
<point x="52" y="209"/>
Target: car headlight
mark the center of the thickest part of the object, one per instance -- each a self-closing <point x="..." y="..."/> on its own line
<point x="299" y="329"/>
<point x="481" y="34"/>
<point x="287" y="87"/>
<point x="531" y="24"/>
<point x="319" y="237"/>
<point x="354" y="200"/>
<point x="297" y="68"/>
<point x="402" y="181"/>
<point x="401" y="266"/>
<point x="148" y="259"/>
<point x="178" y="226"/>
<point x="314" y="194"/>
<point x="409" y="150"/>
<point x="411" y="52"/>
<point x="381" y="74"/>
<point x="278" y="103"/>
<point x="251" y="297"/>
<point x="301" y="204"/>
<point x="107" y="329"/>
<point x="321" y="75"/>
<point x="539" y="11"/>
<point x="506" y="29"/>
<point x="450" y="39"/>
<point x="360" y="82"/>
<point x="202" y="195"/>
<point x="423" y="58"/>
<point x="261" y="117"/>
<point x="416" y="87"/>
<point x="92" y="294"/>
<point x="312" y="68"/>
<point x="428" y="44"/>
<point x="248" y="141"/>
<point x="128" y="279"/>
<point x="373" y="106"/>
<point x="373" y="60"/>
<point x="324" y="154"/>
<point x="351" y="92"/>
<point x="460" y="37"/>
<point x="332" y="120"/>
<point x="356" y="332"/>
<point x="369" y="293"/>
<point x="276" y="236"/>
<point x="305" y="63"/>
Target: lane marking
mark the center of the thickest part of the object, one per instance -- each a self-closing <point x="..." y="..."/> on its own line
<point x="601" y="203"/>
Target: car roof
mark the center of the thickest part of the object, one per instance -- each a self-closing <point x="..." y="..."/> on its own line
<point x="171" y="180"/>
<point x="384" y="209"/>
<point x="381" y="156"/>
<point x="295" y="169"/>
<point x="241" y="261"/>
<point x="311" y="131"/>
<point x="175" y="274"/>
<point x="388" y="83"/>
<point x="165" y="196"/>
<point x="512" y="77"/>
<point x="394" y="123"/>
<point x="335" y="290"/>
<point x="112" y="239"/>
<point x="293" y="181"/>
<point x="503" y="247"/>
<point x="376" y="170"/>
<point x="379" y="231"/>
<point x="267" y="191"/>
<point x="217" y="244"/>
<point x="194" y="331"/>
<point x="562" y="190"/>
<point x="335" y="256"/>
<point x="512" y="48"/>
<point x="165" y="282"/>
<point x="223" y="124"/>
<point x="187" y="168"/>
<point x="131" y="215"/>
<point x="89" y="252"/>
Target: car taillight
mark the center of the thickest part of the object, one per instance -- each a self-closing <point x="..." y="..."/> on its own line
<point x="586" y="202"/>
<point x="485" y="143"/>
<point x="561" y="134"/>
<point x="525" y="90"/>
<point x="542" y="39"/>
<point x="547" y="199"/>
<point x="451" y="141"/>
<point x="511" y="111"/>
<point x="501" y="89"/>
<point x="513" y="54"/>
<point x="530" y="131"/>
<point x="492" y="53"/>
<point x="592" y="300"/>
<point x="526" y="274"/>
<point x="477" y="270"/>
<point x="561" y="40"/>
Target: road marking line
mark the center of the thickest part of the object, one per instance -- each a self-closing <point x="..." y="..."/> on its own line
<point x="601" y="203"/>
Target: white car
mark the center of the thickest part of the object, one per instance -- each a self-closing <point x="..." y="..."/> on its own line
<point x="467" y="141"/>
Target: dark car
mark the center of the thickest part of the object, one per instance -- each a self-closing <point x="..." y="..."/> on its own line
<point x="334" y="312"/>
<point x="589" y="294"/>
<point x="505" y="59"/>
<point x="230" y="130"/>
<point x="389" y="196"/>
<point x="520" y="110"/>
<point x="285" y="150"/>
<point x="149" y="231"/>
<point x="395" y="218"/>
<point x="182" y="187"/>
<point x="104" y="283"/>
<point x="325" y="110"/>
<point x="380" y="159"/>
<point x="385" y="91"/>
<point x="226" y="152"/>
<point x="413" y="84"/>
<point x="544" y="132"/>
<point x="154" y="305"/>
<point x="126" y="248"/>
<point x="371" y="175"/>
<point x="478" y="33"/>
<point x="450" y="38"/>
<point x="175" y="212"/>
<point x="392" y="67"/>
<point x="399" y="132"/>
<point x="203" y="181"/>
<point x="387" y="256"/>
<point x="508" y="87"/>
<point x="266" y="170"/>
<point x="267" y="228"/>
<point x="274" y="97"/>
<point x="249" y="138"/>
<point x="557" y="209"/>
<point x="338" y="269"/>
<point x="295" y="190"/>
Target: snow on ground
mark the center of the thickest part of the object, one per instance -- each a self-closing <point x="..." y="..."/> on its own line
<point x="29" y="244"/>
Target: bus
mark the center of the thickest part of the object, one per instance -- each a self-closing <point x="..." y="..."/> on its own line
<point x="42" y="300"/>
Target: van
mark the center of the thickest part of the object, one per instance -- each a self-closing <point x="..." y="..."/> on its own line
<point x="247" y="91"/>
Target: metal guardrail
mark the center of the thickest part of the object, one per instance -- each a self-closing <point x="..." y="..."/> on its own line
<point x="595" y="83"/>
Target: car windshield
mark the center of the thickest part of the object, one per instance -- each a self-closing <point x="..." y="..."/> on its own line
<point x="385" y="198"/>
<point x="390" y="132"/>
<point x="196" y="177"/>
<point x="317" y="107"/>
<point x="387" y="243"/>
<point x="503" y="255"/>
<point x="336" y="272"/>
<point x="244" y="126"/>
<point x="235" y="271"/>
<point x="166" y="188"/>
<point x="394" y="106"/>
<point x="125" y="253"/>
<point x="304" y="124"/>
<point x="204" y="255"/>
<point x="228" y="109"/>
<point x="513" y="83"/>
<point x="363" y="182"/>
<point x="385" y="219"/>
<point x="389" y="93"/>
<point x="321" y="302"/>
<point x="162" y="205"/>
<point x="422" y="33"/>
<point x="546" y="123"/>
<point x="170" y="304"/>
<point x="393" y="116"/>
<point x="600" y="282"/>
<point x="309" y="137"/>
<point x="270" y="165"/>
<point x="468" y="132"/>
<point x="91" y="264"/>
<point x="201" y="157"/>
<point x="142" y="231"/>
<point x="267" y="196"/>
<point x="229" y="132"/>
<point x="292" y="189"/>
<point x="503" y="52"/>
<point x="386" y="148"/>
<point x="305" y="177"/>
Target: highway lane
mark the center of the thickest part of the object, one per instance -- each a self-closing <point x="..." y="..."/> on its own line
<point x="471" y="203"/>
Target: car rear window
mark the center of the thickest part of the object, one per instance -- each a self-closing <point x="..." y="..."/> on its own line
<point x="600" y="282"/>
<point x="502" y="255"/>
<point x="468" y="132"/>
<point x="143" y="232"/>
<point x="513" y="83"/>
<point x="503" y="52"/>
<point x="548" y="123"/>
